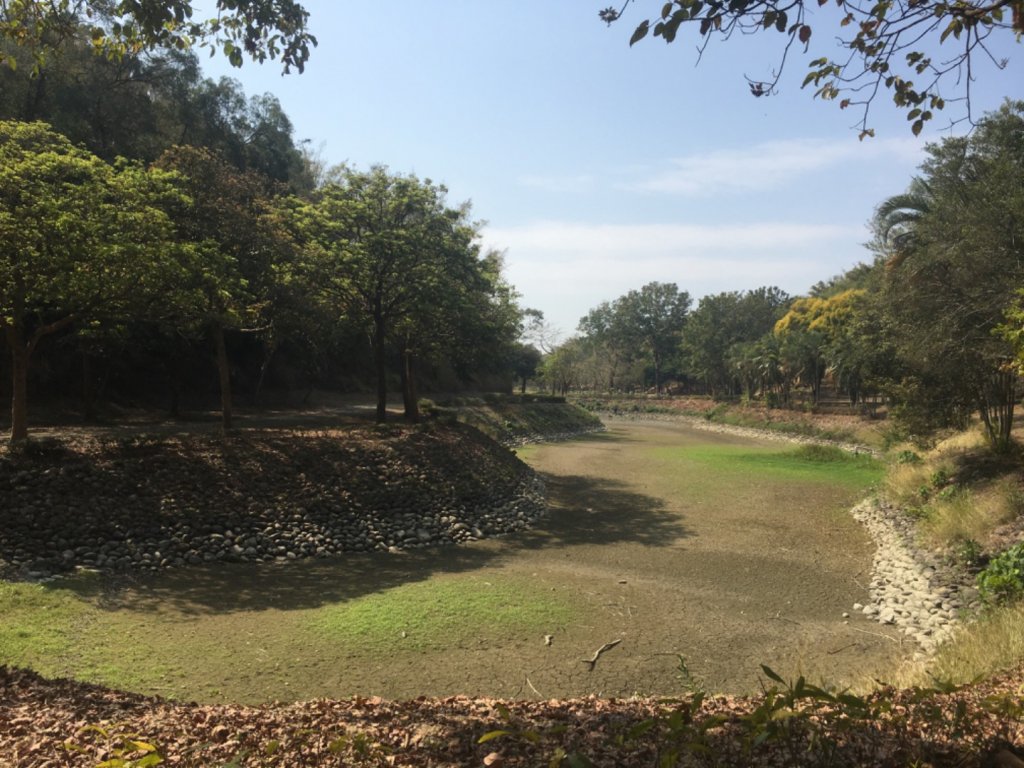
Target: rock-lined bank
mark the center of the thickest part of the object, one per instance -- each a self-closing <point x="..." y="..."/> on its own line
<point x="699" y="422"/>
<point x="271" y="496"/>
<point x="554" y="437"/>
<point x="910" y="587"/>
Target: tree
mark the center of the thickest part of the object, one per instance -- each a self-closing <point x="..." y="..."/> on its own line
<point x="606" y="328"/>
<point x="230" y="282"/>
<point x="809" y="332"/>
<point x="560" y="368"/>
<point x="947" y="297"/>
<point x="79" y="238"/>
<point x="885" y="46"/>
<point x="385" y="245"/>
<point x="526" y="359"/>
<point x="722" y="322"/>
<point x="654" y="317"/>
<point x="259" y="29"/>
<point x="140" y="104"/>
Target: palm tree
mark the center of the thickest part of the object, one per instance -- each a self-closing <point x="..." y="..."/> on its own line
<point x="896" y="220"/>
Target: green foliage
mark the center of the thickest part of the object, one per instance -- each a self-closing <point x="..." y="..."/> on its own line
<point x="968" y="553"/>
<point x="1002" y="580"/>
<point x="720" y="342"/>
<point x="387" y="253"/>
<point x="80" y="240"/>
<point x="259" y="29"/>
<point x="793" y="723"/>
<point x="641" y="327"/>
<point x="950" y="275"/>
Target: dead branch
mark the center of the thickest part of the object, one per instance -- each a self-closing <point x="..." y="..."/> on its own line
<point x="597" y="654"/>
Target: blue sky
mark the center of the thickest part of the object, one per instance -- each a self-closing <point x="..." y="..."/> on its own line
<point x="598" y="167"/>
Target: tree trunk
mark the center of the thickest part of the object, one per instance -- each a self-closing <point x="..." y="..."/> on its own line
<point x="409" y="395"/>
<point x="224" y="373"/>
<point x="88" y="388"/>
<point x="381" y="367"/>
<point x="19" y="385"/>
<point x="996" y="404"/>
<point x="21" y="352"/>
<point x="268" y="353"/>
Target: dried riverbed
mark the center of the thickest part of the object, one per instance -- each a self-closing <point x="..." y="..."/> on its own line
<point x="723" y="549"/>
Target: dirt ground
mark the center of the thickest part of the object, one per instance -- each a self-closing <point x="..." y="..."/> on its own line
<point x="730" y="575"/>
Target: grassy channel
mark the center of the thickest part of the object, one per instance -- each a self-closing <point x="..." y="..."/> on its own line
<point x="68" y="628"/>
<point x="809" y="463"/>
<point x="442" y="614"/>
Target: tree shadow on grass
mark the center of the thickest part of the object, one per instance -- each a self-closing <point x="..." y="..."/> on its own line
<point x="584" y="512"/>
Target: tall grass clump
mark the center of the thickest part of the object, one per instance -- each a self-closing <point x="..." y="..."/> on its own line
<point x="959" y="514"/>
<point x="958" y="490"/>
<point x="992" y="644"/>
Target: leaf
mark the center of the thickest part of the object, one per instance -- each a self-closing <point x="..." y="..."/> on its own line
<point x="142" y="746"/>
<point x="804" y="34"/>
<point x="491" y="735"/>
<point x="781" y="21"/>
<point x="772" y="674"/>
<point x="917" y="126"/>
<point x="640" y="32"/>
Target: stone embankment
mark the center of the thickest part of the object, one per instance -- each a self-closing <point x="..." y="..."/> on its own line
<point x="259" y="498"/>
<point x="910" y="587"/>
<point x="698" y="422"/>
<point x="538" y="437"/>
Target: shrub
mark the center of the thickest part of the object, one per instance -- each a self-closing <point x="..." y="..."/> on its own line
<point x="1003" y="578"/>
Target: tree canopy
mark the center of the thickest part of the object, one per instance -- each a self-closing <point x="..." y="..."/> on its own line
<point x="79" y="238"/>
<point x="258" y="29"/>
<point x="951" y="285"/>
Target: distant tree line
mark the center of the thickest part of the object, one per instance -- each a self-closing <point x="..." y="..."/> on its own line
<point x="934" y="323"/>
<point x="164" y="241"/>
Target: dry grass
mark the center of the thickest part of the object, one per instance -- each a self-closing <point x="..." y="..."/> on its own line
<point x="992" y="644"/>
<point x="972" y="514"/>
<point x="954" y="505"/>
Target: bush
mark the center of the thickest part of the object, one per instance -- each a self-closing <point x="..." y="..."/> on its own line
<point x="1003" y="578"/>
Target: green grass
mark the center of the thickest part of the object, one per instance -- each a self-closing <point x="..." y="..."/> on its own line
<point x="40" y="624"/>
<point x="810" y="463"/>
<point x="443" y="613"/>
<point x="58" y="629"/>
<point x="62" y="629"/>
